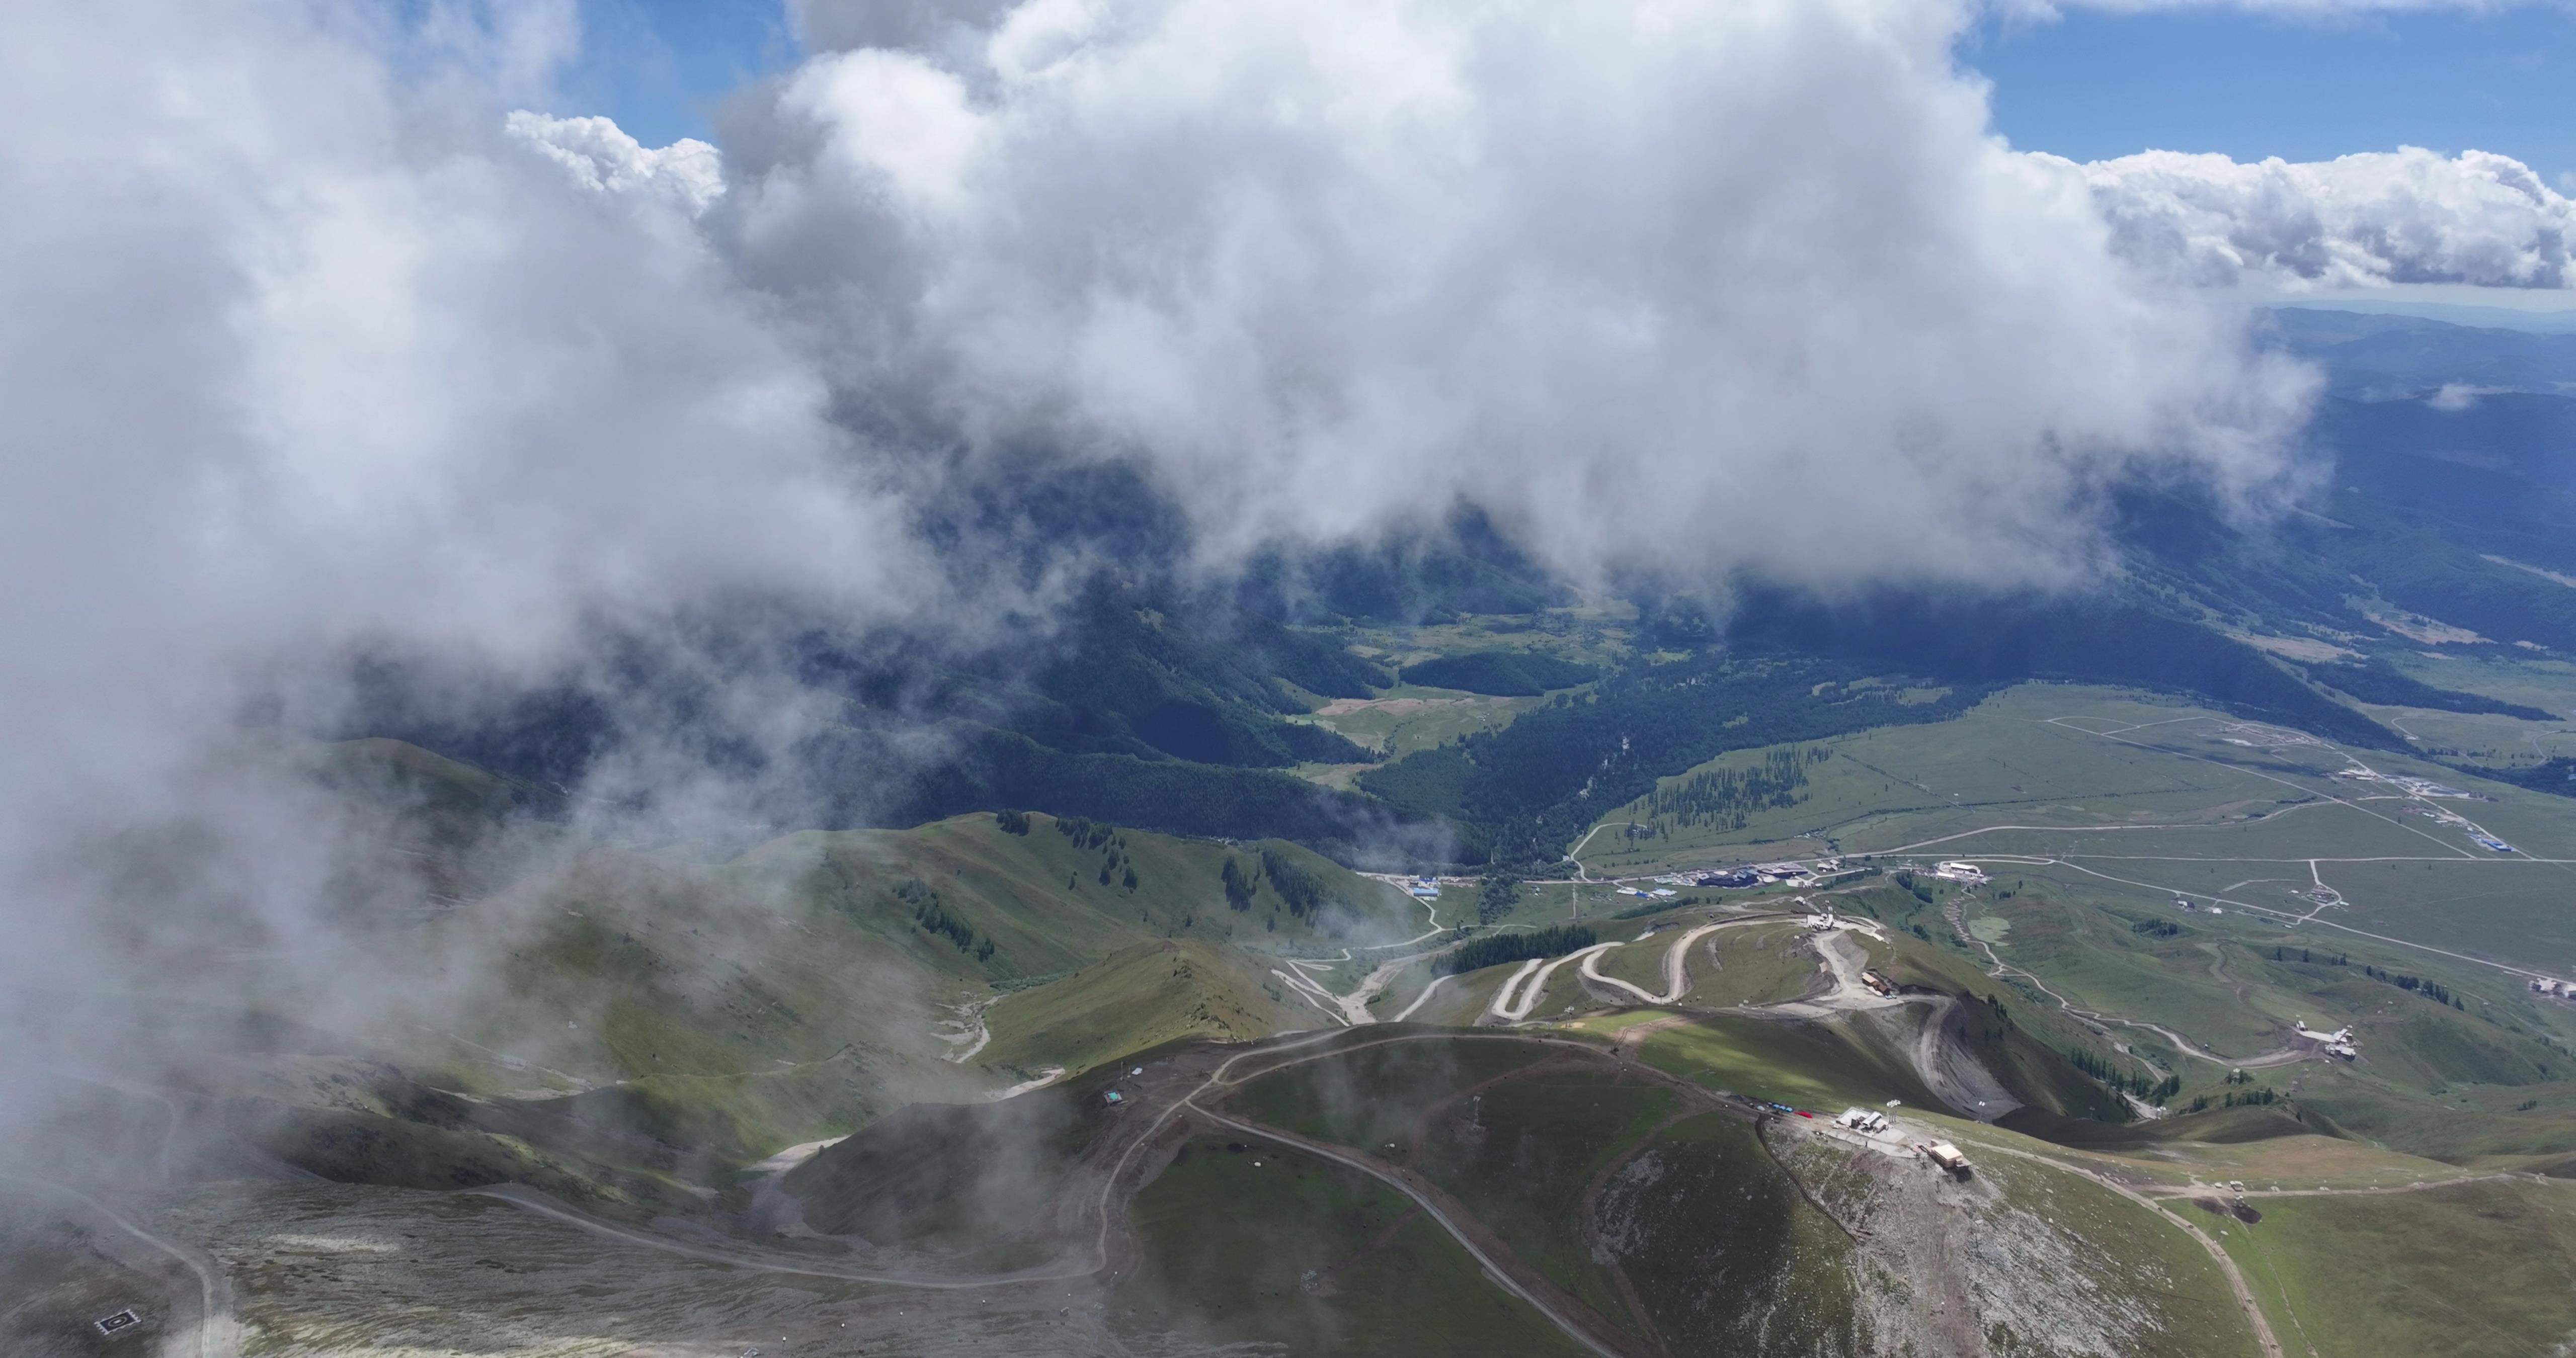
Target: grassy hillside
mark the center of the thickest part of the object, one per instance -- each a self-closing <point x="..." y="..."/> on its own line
<point x="949" y="1178"/>
<point x="639" y="1024"/>
<point x="1522" y="1154"/>
<point x="1259" y="1245"/>
<point x="1701" y="1231"/>
<point x="1835" y="1063"/>
<point x="1147" y="995"/>
<point x="2472" y="1270"/>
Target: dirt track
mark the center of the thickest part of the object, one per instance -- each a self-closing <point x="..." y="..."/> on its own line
<point x="201" y="1322"/>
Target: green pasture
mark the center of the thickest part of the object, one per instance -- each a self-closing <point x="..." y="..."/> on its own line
<point x="1808" y="1065"/>
<point x="1759" y="965"/>
<point x="1143" y="997"/>
<point x="1751" y="964"/>
<point x="1373" y="1095"/>
<point x="2470" y="1270"/>
<point x="1520" y="1153"/>
<point x="1460" y="998"/>
<point x="1410" y="717"/>
<point x="2039" y="756"/>
<point x="2481" y="737"/>
<point x="1265" y="1246"/>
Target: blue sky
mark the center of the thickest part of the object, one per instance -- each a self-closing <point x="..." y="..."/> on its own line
<point x="2087" y="86"/>
<point x="657" y="66"/>
<point x="2093" y="85"/>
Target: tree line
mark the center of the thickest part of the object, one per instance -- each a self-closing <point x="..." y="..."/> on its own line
<point x="1729" y="796"/>
<point x="938" y="920"/>
<point x="1493" y="950"/>
<point x="2154" y="1091"/>
<point x="1519" y="795"/>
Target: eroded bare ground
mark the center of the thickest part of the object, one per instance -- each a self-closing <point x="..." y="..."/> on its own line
<point x="1990" y="1264"/>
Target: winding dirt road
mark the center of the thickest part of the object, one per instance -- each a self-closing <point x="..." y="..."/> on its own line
<point x="211" y="1331"/>
<point x="1521" y="991"/>
<point x="1675" y="962"/>
<point x="2289" y="1054"/>
<point x="1531" y="981"/>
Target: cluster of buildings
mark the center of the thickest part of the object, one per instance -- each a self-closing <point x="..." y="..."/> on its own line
<point x="1862" y="1120"/>
<point x="1760" y="874"/>
<point x="1881" y="1133"/>
<point x="2407" y="782"/>
<point x="1968" y="873"/>
<point x="2555" y="989"/>
<point x="2337" y="1044"/>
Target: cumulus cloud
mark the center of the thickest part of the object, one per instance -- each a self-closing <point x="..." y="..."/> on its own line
<point x="294" y="359"/>
<point x="304" y="356"/>
<point x="2406" y="216"/>
<point x="2458" y="396"/>
<point x="312" y="349"/>
<point x="688" y="173"/>
<point x="1687" y="284"/>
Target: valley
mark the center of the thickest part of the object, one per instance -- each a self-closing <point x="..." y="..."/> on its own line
<point x="1464" y="982"/>
<point x="1288" y="679"/>
<point x="2100" y="1052"/>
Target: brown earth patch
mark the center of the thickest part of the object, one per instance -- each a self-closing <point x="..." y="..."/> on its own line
<point x="2241" y="1210"/>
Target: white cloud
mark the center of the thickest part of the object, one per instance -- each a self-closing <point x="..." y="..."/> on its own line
<point x="1686" y="283"/>
<point x="308" y="345"/>
<point x="2407" y="216"/>
<point x="599" y="154"/>
<point x="2458" y="396"/>
<point x="301" y="353"/>
<point x="2305" y="9"/>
